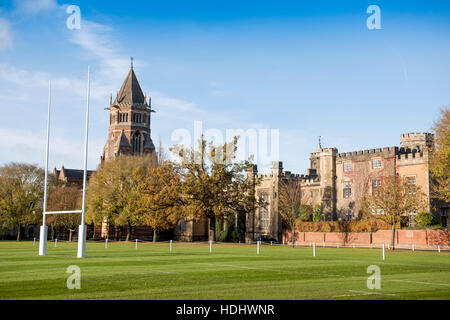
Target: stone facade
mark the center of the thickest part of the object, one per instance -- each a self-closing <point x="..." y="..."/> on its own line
<point x="337" y="181"/>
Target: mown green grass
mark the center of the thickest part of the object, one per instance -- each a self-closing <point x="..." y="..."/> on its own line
<point x="231" y="272"/>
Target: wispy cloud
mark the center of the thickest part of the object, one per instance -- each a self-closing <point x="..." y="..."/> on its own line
<point x="31" y="7"/>
<point x="19" y="145"/>
<point x="5" y="34"/>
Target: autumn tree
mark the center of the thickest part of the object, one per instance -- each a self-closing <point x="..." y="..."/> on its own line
<point x="395" y="198"/>
<point x="113" y="192"/>
<point x="215" y="185"/>
<point x="440" y="156"/>
<point x="64" y="197"/>
<point x="290" y="204"/>
<point x="161" y="204"/>
<point x="21" y="189"/>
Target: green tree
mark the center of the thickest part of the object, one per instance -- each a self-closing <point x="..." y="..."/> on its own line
<point x="21" y="189"/>
<point x="113" y="192"/>
<point x="215" y="186"/>
<point x="161" y="204"/>
<point x="440" y="156"/>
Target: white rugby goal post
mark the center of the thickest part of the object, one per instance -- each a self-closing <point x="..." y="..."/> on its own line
<point x="82" y="228"/>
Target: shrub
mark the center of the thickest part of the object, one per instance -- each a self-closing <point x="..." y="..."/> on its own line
<point x="371" y="225"/>
<point x="317" y="213"/>
<point x="424" y="219"/>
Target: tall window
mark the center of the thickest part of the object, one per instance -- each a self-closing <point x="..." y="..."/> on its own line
<point x="375" y="185"/>
<point x="411" y="184"/>
<point x="347" y="166"/>
<point x="347" y="189"/>
<point x="376" y="163"/>
<point x="264" y="212"/>
<point x="136" y="142"/>
<point x="137" y="117"/>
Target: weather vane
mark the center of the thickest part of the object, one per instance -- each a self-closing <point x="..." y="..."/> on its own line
<point x="320" y="142"/>
<point x="131" y="58"/>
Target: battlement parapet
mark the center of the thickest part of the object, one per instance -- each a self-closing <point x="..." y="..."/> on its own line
<point x="368" y="153"/>
<point x="417" y="135"/>
<point x="411" y="157"/>
<point x="333" y="151"/>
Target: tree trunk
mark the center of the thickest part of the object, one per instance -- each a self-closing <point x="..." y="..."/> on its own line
<point x="128" y="233"/>
<point x="212" y="228"/>
<point x="53" y="232"/>
<point x="116" y="233"/>
<point x="393" y="237"/>
<point x="70" y="235"/>
<point x="293" y="237"/>
<point x="154" y="235"/>
<point x="18" y="233"/>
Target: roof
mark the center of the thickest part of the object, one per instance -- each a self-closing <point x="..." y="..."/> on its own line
<point x="75" y="174"/>
<point x="123" y="140"/>
<point x="130" y="93"/>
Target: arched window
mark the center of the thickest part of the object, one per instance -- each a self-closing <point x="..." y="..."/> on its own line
<point x="136" y="142"/>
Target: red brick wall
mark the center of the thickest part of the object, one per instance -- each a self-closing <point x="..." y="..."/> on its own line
<point x="402" y="237"/>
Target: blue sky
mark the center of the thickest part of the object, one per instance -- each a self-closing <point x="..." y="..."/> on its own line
<point x="306" y="68"/>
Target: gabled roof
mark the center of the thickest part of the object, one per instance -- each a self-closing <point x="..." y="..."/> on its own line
<point x="130" y="93"/>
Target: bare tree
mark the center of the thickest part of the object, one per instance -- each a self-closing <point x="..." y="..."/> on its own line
<point x="396" y="198"/>
<point x="290" y="204"/>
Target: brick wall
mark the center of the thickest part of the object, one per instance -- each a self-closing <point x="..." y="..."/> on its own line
<point x="402" y="237"/>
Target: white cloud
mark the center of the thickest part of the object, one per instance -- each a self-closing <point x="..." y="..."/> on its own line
<point x="31" y="7"/>
<point x="20" y="146"/>
<point x="5" y="34"/>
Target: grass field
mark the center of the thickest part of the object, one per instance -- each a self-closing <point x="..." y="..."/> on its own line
<point x="190" y="272"/>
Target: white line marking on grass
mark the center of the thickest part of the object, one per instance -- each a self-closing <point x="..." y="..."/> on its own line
<point x="420" y="282"/>
<point x="362" y="293"/>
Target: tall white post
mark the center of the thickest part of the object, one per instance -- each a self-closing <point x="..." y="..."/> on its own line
<point x="34" y="242"/>
<point x="210" y="246"/>
<point x="439" y="248"/>
<point x="384" y="252"/>
<point x="106" y="243"/>
<point x="413" y="247"/>
<point x="136" y="244"/>
<point x="82" y="229"/>
<point x="257" y="247"/>
<point x="44" y="229"/>
<point x="314" y="249"/>
<point x="56" y="243"/>
<point x="170" y="245"/>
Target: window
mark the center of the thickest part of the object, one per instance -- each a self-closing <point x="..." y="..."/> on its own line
<point x="376" y="163"/>
<point x="347" y="189"/>
<point x="123" y="117"/>
<point x="347" y="166"/>
<point x="348" y="215"/>
<point x="137" y="118"/>
<point x="264" y="212"/>
<point x="314" y="193"/>
<point x="411" y="184"/>
<point x="375" y="185"/>
<point x="378" y="211"/>
<point x="136" y="142"/>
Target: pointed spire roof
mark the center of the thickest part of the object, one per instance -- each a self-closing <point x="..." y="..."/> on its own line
<point x="130" y="93"/>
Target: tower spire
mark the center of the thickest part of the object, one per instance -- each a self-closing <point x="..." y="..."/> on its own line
<point x="132" y="59"/>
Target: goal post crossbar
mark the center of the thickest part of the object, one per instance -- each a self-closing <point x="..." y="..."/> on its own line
<point x="63" y="212"/>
